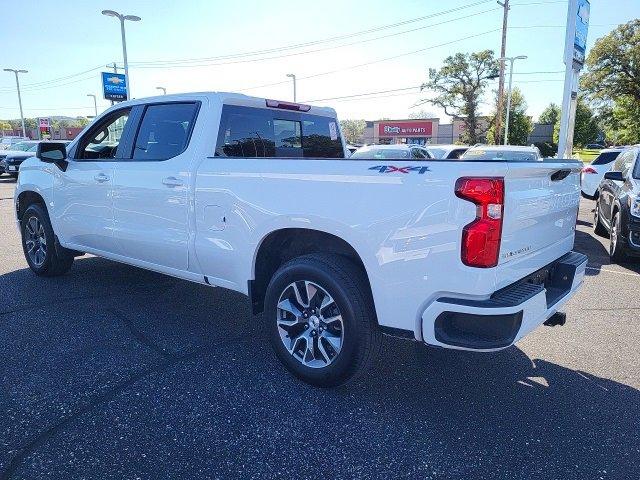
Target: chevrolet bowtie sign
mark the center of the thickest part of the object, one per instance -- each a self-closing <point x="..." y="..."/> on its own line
<point x="114" y="86"/>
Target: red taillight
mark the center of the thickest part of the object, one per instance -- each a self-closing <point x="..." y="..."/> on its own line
<point x="481" y="238"/>
<point x="589" y="170"/>
<point x="288" y="105"/>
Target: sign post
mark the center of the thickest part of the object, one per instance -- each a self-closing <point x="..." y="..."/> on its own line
<point x="44" y="129"/>
<point x="114" y="86"/>
<point x="574" y="56"/>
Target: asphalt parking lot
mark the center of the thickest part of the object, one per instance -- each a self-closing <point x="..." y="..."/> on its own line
<point x="115" y="372"/>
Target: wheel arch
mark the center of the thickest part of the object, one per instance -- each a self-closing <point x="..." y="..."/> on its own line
<point x="284" y="244"/>
<point x="26" y="198"/>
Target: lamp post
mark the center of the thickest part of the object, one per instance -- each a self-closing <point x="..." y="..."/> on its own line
<point x="292" y="76"/>
<point x="95" y="104"/>
<point x="511" y="61"/>
<point x="16" y="72"/>
<point x="164" y="90"/>
<point x="122" y="18"/>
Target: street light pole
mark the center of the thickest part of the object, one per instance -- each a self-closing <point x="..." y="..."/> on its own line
<point x="122" y="18"/>
<point x="164" y="90"/>
<point x="16" y="72"/>
<point x="511" y="61"/>
<point x="292" y="76"/>
<point x="503" y="48"/>
<point x="95" y="104"/>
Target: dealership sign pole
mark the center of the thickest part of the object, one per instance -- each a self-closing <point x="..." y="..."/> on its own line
<point x="574" y="56"/>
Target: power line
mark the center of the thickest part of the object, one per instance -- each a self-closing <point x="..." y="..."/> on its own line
<point x="306" y="52"/>
<point x="27" y="86"/>
<point x="320" y="41"/>
<point x="351" y="67"/>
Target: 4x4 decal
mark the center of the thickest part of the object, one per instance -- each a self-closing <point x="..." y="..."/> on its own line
<point x="394" y="169"/>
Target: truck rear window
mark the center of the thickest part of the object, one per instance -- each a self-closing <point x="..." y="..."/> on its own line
<point x="263" y="132"/>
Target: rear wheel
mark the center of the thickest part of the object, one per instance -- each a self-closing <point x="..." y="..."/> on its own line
<point x="598" y="228"/>
<point x="39" y="244"/>
<point x="616" y="242"/>
<point x="320" y="319"/>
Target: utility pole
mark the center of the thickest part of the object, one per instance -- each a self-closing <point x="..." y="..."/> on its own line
<point x="503" y="52"/>
<point x="16" y="72"/>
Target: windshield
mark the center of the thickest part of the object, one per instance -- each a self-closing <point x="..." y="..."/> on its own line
<point x="25" y="147"/>
<point x="381" y="153"/>
<point x="437" y="152"/>
<point x="506" y="155"/>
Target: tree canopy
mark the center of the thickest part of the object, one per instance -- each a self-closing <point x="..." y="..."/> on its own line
<point x="520" y="125"/>
<point x="612" y="82"/>
<point x="352" y="129"/>
<point x="550" y="115"/>
<point x="459" y="85"/>
<point x="613" y="65"/>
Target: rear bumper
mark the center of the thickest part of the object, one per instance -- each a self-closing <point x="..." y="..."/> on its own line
<point x="509" y="314"/>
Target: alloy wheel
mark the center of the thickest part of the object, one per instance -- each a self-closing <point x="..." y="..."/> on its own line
<point x="36" y="241"/>
<point x="310" y="324"/>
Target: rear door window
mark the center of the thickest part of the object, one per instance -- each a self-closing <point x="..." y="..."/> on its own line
<point x="262" y="132"/>
<point x="164" y="131"/>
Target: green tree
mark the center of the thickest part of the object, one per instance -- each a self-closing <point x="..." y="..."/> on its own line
<point x="4" y="125"/>
<point x="621" y="122"/>
<point x="550" y="115"/>
<point x="420" y="114"/>
<point x="613" y="65"/>
<point x="520" y="125"/>
<point x="612" y="82"/>
<point x="586" y="128"/>
<point x="353" y="129"/>
<point x="459" y="85"/>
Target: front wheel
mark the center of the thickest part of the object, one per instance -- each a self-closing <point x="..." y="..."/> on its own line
<point x="598" y="227"/>
<point x="38" y="244"/>
<point x="320" y="319"/>
<point x="616" y="243"/>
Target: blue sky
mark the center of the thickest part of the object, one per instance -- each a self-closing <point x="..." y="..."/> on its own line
<point x="62" y="38"/>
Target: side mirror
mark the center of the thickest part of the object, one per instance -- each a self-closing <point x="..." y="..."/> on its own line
<point x="53" y="152"/>
<point x="615" y="176"/>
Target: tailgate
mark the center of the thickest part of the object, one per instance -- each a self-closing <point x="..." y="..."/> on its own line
<point x="540" y="207"/>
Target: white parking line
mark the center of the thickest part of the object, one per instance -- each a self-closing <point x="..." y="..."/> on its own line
<point x="600" y="269"/>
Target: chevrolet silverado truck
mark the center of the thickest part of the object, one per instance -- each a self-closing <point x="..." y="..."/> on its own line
<point x="259" y="196"/>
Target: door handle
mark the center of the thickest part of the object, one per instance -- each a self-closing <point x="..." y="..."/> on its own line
<point x="172" y="182"/>
<point x="101" y="178"/>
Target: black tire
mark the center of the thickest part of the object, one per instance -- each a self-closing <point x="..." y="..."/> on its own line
<point x="598" y="227"/>
<point x="347" y="285"/>
<point x="57" y="260"/>
<point x="617" y="251"/>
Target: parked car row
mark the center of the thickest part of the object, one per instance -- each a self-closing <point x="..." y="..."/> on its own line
<point x="10" y="160"/>
<point x="510" y="153"/>
<point x="617" y="210"/>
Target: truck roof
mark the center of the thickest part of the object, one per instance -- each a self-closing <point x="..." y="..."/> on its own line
<point x="226" y="98"/>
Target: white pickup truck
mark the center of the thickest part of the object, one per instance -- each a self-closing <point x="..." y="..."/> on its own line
<point x="259" y="196"/>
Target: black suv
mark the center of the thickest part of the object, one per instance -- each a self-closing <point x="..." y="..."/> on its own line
<point x="617" y="211"/>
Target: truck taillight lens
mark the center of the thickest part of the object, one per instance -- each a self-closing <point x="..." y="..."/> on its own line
<point x="481" y="238"/>
<point x="589" y="170"/>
